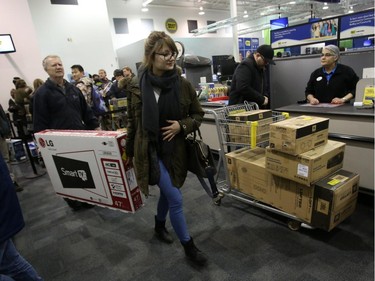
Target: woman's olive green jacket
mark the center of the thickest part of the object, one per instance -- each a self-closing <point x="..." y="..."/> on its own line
<point x="137" y="139"/>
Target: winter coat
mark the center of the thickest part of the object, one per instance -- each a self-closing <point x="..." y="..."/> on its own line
<point x="4" y="124"/>
<point x="54" y="109"/>
<point x="137" y="138"/>
<point x="249" y="83"/>
<point x="11" y="219"/>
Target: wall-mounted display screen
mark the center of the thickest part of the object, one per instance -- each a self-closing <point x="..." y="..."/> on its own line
<point x="279" y="23"/>
<point x="6" y="44"/>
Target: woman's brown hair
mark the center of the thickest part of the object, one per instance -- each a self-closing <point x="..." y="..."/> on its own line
<point x="155" y="42"/>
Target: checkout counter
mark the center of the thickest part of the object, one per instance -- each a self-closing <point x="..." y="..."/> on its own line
<point x="355" y="127"/>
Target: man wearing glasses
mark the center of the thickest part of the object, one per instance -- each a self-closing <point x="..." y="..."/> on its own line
<point x="333" y="82"/>
<point x="249" y="82"/>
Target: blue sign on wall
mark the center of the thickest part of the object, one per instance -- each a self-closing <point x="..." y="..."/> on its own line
<point x="310" y="33"/>
<point x="355" y="25"/>
<point x="247" y="45"/>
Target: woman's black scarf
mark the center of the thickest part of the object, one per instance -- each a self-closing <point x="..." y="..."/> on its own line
<point x="155" y="114"/>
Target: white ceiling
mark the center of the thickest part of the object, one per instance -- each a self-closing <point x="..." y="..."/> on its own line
<point x="251" y="5"/>
<point x="260" y="11"/>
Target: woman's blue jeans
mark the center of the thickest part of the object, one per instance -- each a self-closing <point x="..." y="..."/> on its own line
<point x="13" y="266"/>
<point x="171" y="200"/>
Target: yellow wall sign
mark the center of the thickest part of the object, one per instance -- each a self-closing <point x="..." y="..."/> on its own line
<point x="171" y="25"/>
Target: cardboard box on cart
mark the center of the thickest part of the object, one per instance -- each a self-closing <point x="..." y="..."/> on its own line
<point x="231" y="158"/>
<point x="335" y="199"/>
<point x="299" y="134"/>
<point x="240" y="126"/>
<point x="89" y="166"/>
<point x="284" y="194"/>
<point x="307" y="167"/>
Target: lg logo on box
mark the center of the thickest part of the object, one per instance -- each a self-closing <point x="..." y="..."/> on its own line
<point x="43" y="143"/>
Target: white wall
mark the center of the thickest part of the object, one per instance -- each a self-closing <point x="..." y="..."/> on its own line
<point x="131" y="9"/>
<point x="79" y="34"/>
<point x="15" y="19"/>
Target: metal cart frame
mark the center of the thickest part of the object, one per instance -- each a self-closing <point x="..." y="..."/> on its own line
<point x="234" y="134"/>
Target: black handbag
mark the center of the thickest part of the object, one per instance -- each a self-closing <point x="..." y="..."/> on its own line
<point x="201" y="162"/>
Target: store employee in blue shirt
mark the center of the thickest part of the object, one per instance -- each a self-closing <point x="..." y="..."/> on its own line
<point x="333" y="82"/>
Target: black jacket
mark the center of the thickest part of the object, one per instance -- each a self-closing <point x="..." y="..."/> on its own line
<point x="116" y="92"/>
<point x="342" y="82"/>
<point x="11" y="219"/>
<point x="249" y="83"/>
<point x="54" y="109"/>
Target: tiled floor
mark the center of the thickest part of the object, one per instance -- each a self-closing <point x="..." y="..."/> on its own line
<point x="242" y="242"/>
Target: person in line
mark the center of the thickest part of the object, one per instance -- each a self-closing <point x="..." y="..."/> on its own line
<point x="93" y="98"/>
<point x="160" y="115"/>
<point x="22" y="99"/>
<point x="60" y="105"/>
<point x="14" y="81"/>
<point x="4" y="151"/>
<point x="249" y="82"/>
<point x="104" y="85"/>
<point x="77" y="72"/>
<point x="114" y="91"/>
<point x="12" y="265"/>
<point x="333" y="82"/>
<point x="16" y="112"/>
<point x="128" y="72"/>
<point x="36" y="84"/>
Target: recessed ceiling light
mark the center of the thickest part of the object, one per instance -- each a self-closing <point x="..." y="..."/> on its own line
<point x="144" y="9"/>
<point x="201" y="13"/>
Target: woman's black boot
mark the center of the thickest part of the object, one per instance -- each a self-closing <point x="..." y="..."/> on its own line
<point x="193" y="253"/>
<point x="161" y="232"/>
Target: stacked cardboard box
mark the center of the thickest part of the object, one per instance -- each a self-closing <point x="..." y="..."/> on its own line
<point x="307" y="167"/>
<point x="302" y="177"/>
<point x="247" y="125"/>
<point x="300" y="134"/>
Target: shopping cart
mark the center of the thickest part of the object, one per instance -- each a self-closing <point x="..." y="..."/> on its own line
<point x="233" y="135"/>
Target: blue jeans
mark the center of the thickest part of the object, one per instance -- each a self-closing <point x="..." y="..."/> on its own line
<point x="13" y="267"/>
<point x="171" y="200"/>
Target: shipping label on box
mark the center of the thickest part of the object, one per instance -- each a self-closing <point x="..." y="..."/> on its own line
<point x="307" y="167"/>
<point x="89" y="166"/>
<point x="335" y="199"/>
<point x="299" y="134"/>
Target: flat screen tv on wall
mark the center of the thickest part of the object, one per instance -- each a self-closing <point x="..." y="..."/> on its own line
<point x="6" y="44"/>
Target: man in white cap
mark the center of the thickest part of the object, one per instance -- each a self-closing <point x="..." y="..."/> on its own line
<point x="333" y="82"/>
<point x="249" y="82"/>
